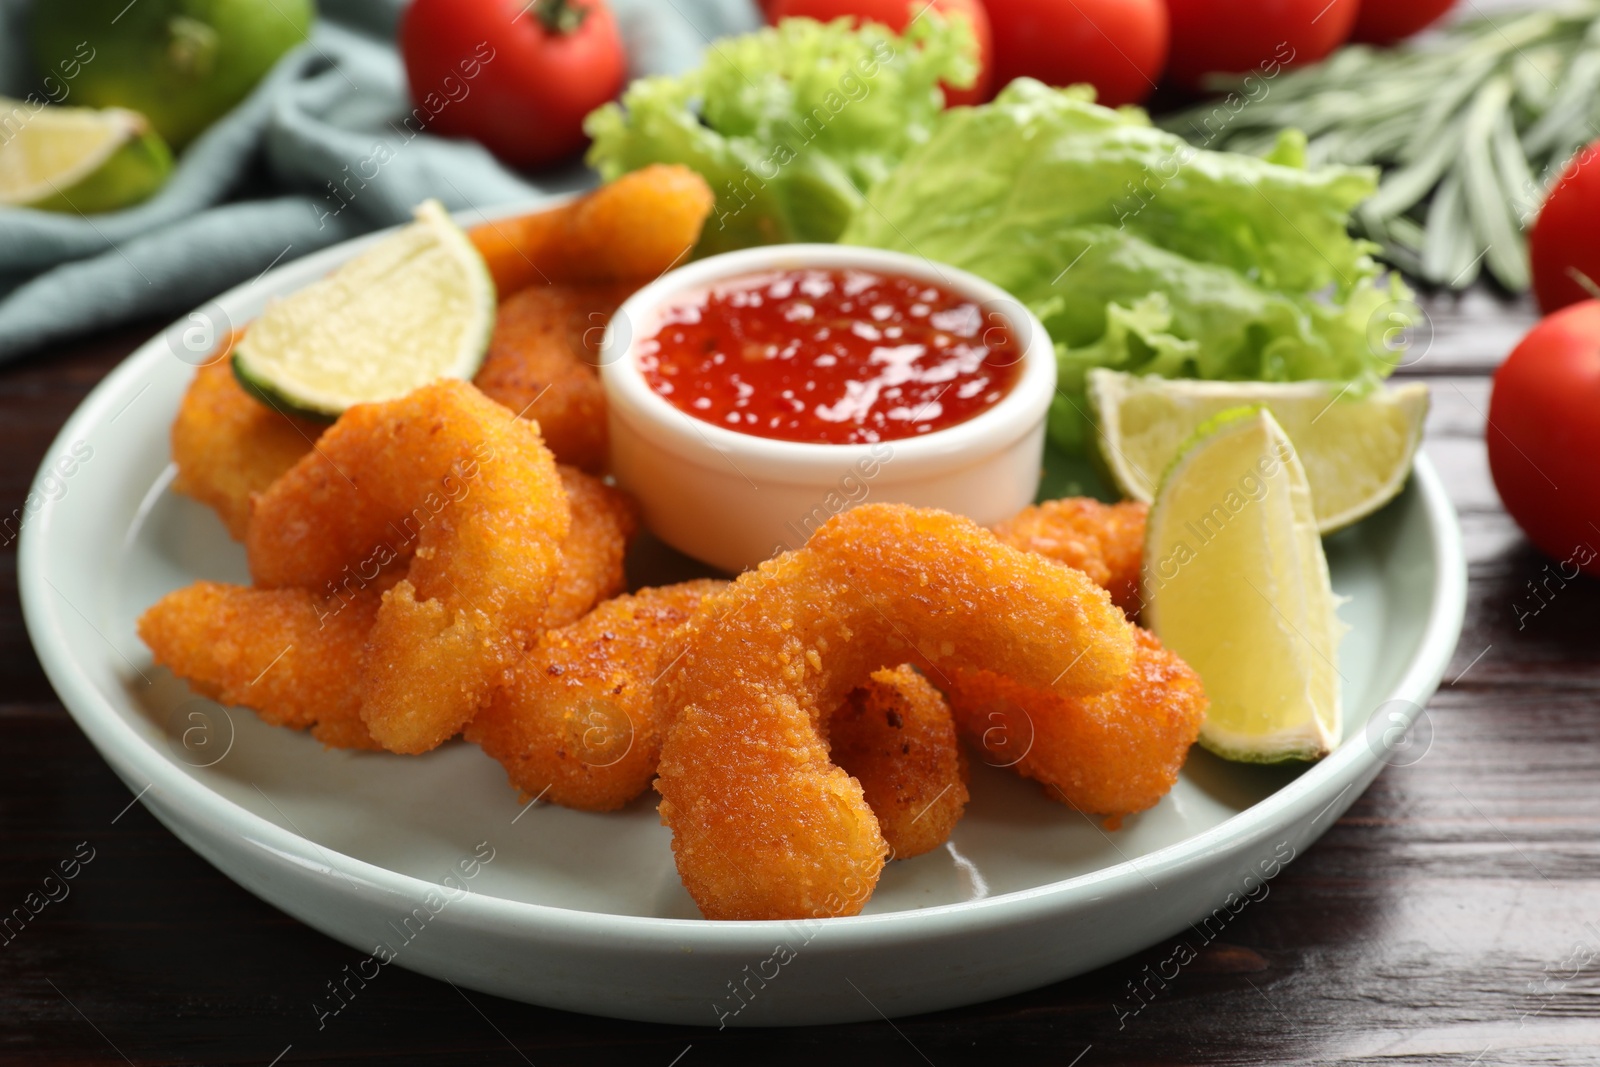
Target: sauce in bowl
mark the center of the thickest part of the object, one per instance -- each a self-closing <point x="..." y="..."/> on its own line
<point x="830" y="356"/>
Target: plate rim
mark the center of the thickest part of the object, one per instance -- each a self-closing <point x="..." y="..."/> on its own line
<point x="206" y="811"/>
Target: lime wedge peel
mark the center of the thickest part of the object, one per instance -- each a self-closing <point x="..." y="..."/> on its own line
<point x="1235" y="582"/>
<point x="78" y="159"/>
<point x="1357" y="448"/>
<point x="417" y="306"/>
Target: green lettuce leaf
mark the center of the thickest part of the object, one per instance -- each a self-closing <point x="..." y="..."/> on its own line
<point x="790" y="124"/>
<point x="1140" y="252"/>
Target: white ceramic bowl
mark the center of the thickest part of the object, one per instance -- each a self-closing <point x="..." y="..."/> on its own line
<point x="732" y="499"/>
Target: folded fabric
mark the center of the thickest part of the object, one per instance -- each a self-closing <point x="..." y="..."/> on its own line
<point x="320" y="151"/>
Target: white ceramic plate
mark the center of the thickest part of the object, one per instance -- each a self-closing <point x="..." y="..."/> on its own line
<point x="585" y="912"/>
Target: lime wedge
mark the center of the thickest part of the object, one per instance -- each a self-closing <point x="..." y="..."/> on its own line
<point x="417" y="306"/>
<point x="78" y="159"/>
<point x="1357" y="449"/>
<point x="1235" y="582"/>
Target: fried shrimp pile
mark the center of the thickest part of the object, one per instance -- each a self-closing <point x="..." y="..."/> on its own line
<point x="223" y="638"/>
<point x="1105" y="541"/>
<point x="764" y="825"/>
<point x="229" y="446"/>
<point x="1112" y="753"/>
<point x="541" y="365"/>
<point x="289" y="654"/>
<point x="577" y="723"/>
<point x="474" y="498"/>
<point x="634" y="228"/>
<point x="450" y="562"/>
<point x="895" y="736"/>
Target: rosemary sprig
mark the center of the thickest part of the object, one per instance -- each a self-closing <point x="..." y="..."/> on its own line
<point x="1471" y="124"/>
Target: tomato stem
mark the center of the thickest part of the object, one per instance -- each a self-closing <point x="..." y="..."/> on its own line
<point x="561" y="17"/>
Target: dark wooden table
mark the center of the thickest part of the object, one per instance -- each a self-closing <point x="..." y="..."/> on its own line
<point x="1452" y="916"/>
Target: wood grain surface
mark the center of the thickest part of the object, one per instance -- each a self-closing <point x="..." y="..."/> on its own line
<point x="1451" y="917"/>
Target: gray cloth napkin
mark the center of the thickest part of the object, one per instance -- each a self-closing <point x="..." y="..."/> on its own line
<point x="268" y="182"/>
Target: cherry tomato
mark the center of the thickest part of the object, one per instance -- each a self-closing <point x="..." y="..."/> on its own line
<point x="1118" y="46"/>
<point x="897" y="14"/>
<point x="1565" y="241"/>
<point x="1543" y="436"/>
<point x="1388" y="21"/>
<point x="517" y="77"/>
<point x="1244" y="36"/>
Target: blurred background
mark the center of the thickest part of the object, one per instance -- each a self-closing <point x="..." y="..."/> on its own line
<point x="256" y="122"/>
<point x="156" y="152"/>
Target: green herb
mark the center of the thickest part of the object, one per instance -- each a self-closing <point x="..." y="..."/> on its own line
<point x="1143" y="253"/>
<point x="1471" y="124"/>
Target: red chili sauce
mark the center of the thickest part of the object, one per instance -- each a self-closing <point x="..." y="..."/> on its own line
<point x="830" y="356"/>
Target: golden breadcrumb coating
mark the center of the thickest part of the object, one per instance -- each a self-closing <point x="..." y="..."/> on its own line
<point x="577" y="725"/>
<point x="764" y="825"/>
<point x="541" y="366"/>
<point x="633" y="229"/>
<point x="1112" y="753"/>
<point x="475" y="497"/>
<point x="1105" y="541"/>
<point x="292" y="656"/>
<point x="228" y="446"/>
<point x="895" y="736"/>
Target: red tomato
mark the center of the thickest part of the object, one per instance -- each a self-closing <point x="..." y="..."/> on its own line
<point x="1241" y="36"/>
<point x="1544" y="435"/>
<point x="1387" y="21"/>
<point x="896" y="14"/>
<point x="1118" y="46"/>
<point x="1565" y="240"/>
<point x="517" y="77"/>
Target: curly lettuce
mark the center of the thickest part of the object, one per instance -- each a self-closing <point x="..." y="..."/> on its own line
<point x="790" y="124"/>
<point x="1140" y="252"/>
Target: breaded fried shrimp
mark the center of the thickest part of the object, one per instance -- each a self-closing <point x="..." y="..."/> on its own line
<point x="229" y="446"/>
<point x="541" y="365"/>
<point x="895" y="736"/>
<point x="1105" y="541"/>
<point x="223" y="638"/>
<point x="1112" y="753"/>
<point x="764" y="825"/>
<point x="479" y="495"/>
<point x="288" y="654"/>
<point x="577" y="724"/>
<point x="631" y="229"/>
<point x="604" y="523"/>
